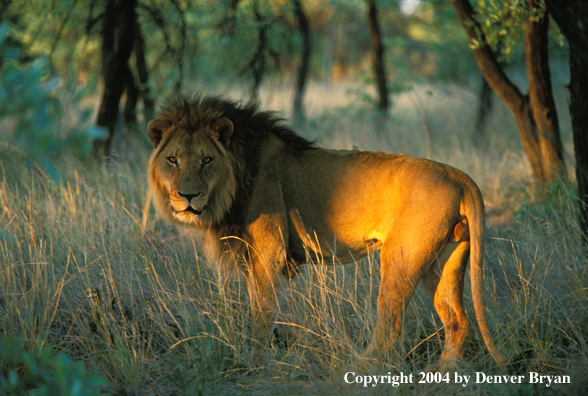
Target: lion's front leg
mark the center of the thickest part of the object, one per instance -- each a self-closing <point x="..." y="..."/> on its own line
<point x="267" y="238"/>
<point x="266" y="280"/>
<point x="265" y="287"/>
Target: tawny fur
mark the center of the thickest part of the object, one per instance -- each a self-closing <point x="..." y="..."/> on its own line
<point x="261" y="197"/>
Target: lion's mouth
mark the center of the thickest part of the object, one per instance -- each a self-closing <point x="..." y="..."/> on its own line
<point x="197" y="212"/>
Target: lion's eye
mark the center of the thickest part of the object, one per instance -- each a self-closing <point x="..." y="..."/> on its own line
<point x="172" y="160"/>
<point x="206" y="160"/>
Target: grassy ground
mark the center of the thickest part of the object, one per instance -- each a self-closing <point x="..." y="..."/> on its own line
<point x="141" y="308"/>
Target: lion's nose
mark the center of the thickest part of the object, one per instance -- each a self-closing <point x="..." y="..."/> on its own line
<point x="190" y="196"/>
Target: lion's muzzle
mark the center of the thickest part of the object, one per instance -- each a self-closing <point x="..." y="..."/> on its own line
<point x="189" y="203"/>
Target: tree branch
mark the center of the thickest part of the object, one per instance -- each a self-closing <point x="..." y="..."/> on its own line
<point x="485" y="58"/>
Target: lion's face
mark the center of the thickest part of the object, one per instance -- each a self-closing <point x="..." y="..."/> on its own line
<point x="190" y="172"/>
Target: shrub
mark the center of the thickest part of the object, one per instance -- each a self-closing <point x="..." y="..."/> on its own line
<point x="29" y="100"/>
<point x="42" y="372"/>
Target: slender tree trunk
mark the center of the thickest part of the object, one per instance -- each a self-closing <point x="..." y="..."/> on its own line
<point x="539" y="136"/>
<point x="378" y="57"/>
<point x="304" y="63"/>
<point x="130" y="111"/>
<point x="117" y="43"/>
<point x="485" y="106"/>
<point x="484" y="109"/>
<point x="134" y="91"/>
<point x="139" y="49"/>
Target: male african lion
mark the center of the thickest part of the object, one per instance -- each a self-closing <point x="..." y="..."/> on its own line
<point x="261" y="196"/>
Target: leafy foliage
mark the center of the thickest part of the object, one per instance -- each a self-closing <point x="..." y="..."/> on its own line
<point x="41" y="372"/>
<point x="29" y="99"/>
<point x="504" y="24"/>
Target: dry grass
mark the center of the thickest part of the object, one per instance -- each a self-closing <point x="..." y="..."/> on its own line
<point x="143" y="309"/>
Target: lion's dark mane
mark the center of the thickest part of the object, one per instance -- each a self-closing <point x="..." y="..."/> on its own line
<point x="251" y="128"/>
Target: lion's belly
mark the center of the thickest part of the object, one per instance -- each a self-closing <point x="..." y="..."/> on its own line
<point x="304" y="249"/>
<point x="319" y="237"/>
<point x="339" y="212"/>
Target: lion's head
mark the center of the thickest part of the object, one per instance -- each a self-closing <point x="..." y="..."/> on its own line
<point x="207" y="152"/>
<point x="191" y="172"/>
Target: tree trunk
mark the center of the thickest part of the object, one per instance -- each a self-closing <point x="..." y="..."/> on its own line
<point x="117" y="43"/>
<point x="306" y="50"/>
<point x="139" y="49"/>
<point x="378" y="57"/>
<point x="484" y="109"/>
<point x="539" y="136"/>
<point x="541" y="99"/>
<point x="572" y="18"/>
<point x="578" y="111"/>
<point x="130" y="110"/>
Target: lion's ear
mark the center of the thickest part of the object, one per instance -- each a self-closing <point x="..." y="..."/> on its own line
<point x="155" y="130"/>
<point x="222" y="130"/>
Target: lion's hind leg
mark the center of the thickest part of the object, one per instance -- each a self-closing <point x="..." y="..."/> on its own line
<point x="403" y="264"/>
<point x="444" y="282"/>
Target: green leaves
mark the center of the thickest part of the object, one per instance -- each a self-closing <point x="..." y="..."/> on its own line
<point x="503" y="24"/>
<point x="29" y="100"/>
<point x="41" y="372"/>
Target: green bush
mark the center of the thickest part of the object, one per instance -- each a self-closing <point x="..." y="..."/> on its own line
<point x="42" y="372"/>
<point x="29" y="99"/>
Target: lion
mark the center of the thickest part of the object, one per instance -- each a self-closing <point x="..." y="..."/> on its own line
<point x="261" y="197"/>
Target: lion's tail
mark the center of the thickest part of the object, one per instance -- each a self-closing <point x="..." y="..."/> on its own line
<point x="474" y="208"/>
